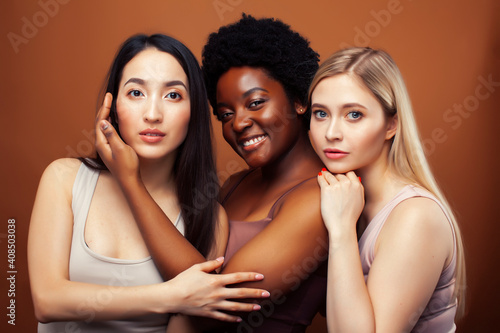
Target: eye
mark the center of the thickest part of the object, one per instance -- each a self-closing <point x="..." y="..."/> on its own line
<point x="354" y="115"/>
<point x="320" y="114"/>
<point x="256" y="103"/>
<point x="135" y="93"/>
<point x="174" y="95"/>
<point x="224" y="115"/>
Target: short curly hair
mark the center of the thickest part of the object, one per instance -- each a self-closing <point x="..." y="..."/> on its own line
<point x="267" y="43"/>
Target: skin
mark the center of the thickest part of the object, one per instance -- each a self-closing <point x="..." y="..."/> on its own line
<point x="111" y="229"/>
<point x="347" y="116"/>
<point x="285" y="158"/>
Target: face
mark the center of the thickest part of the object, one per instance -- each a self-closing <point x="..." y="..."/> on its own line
<point x="349" y="128"/>
<point x="153" y="105"/>
<point x="258" y="120"/>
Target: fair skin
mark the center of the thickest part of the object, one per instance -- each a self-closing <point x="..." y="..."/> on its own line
<point x="352" y="135"/>
<point x="152" y="95"/>
<point x="254" y="107"/>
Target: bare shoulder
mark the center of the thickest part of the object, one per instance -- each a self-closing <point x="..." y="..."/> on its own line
<point x="230" y="182"/>
<point x="418" y="220"/>
<point x="307" y="192"/>
<point x="61" y="172"/>
<point x="303" y="203"/>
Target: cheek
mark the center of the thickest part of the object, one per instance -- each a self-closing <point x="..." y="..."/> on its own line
<point x="317" y="133"/>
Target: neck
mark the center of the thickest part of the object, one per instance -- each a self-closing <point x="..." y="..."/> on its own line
<point x="158" y="175"/>
<point x="299" y="162"/>
<point x="380" y="186"/>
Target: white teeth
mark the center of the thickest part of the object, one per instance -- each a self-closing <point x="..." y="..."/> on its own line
<point x="151" y="134"/>
<point x="252" y="141"/>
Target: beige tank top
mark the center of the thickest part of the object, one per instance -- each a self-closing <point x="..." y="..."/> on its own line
<point x="88" y="266"/>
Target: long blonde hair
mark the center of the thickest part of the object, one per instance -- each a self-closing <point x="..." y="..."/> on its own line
<point x="379" y="73"/>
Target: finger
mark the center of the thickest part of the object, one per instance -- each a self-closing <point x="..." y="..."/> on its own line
<point x="225" y="305"/>
<point x="222" y="316"/>
<point x="114" y="140"/>
<point x="351" y="175"/>
<point x="340" y="177"/>
<point x="240" y="293"/>
<point x="233" y="278"/>
<point x="330" y="179"/>
<point x="105" y="108"/>
<point x="210" y="265"/>
<point x="101" y="142"/>
<point x="321" y="180"/>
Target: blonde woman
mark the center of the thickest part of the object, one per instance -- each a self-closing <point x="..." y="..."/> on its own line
<point x="396" y="260"/>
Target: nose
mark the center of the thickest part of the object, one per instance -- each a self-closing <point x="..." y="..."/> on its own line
<point x="153" y="112"/>
<point x="241" y="120"/>
<point x="334" y="131"/>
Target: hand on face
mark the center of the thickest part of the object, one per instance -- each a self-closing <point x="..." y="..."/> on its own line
<point x="342" y="200"/>
<point x="120" y="159"/>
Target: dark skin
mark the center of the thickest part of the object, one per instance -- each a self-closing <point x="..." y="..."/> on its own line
<point x="259" y="109"/>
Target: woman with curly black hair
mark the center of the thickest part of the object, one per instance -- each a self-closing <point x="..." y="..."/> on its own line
<point x="258" y="72"/>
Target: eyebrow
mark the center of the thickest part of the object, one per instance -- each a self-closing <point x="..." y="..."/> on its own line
<point x="167" y="84"/>
<point x="245" y="95"/>
<point x="345" y="106"/>
<point x="251" y="91"/>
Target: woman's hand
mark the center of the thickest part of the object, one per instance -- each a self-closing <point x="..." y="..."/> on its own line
<point x="203" y="294"/>
<point x="342" y="200"/>
<point x="120" y="158"/>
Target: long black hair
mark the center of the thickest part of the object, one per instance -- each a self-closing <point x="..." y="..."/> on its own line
<point x="194" y="169"/>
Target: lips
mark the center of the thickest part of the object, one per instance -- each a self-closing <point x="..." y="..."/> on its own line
<point x="252" y="142"/>
<point x="152" y="135"/>
<point x="335" y="154"/>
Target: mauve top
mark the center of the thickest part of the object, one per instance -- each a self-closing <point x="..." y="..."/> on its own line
<point x="288" y="313"/>
<point x="439" y="314"/>
<point x="88" y="266"/>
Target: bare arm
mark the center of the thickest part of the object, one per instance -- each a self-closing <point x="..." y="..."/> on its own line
<point x="290" y="247"/>
<point x="171" y="252"/>
<point x="298" y="222"/>
<point x="410" y="253"/>
<point x="57" y="298"/>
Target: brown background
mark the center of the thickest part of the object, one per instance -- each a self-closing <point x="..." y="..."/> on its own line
<point x="50" y="81"/>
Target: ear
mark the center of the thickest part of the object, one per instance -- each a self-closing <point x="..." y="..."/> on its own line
<point x="299" y="108"/>
<point x="392" y="126"/>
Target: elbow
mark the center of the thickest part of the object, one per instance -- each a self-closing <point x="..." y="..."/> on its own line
<point x="42" y="305"/>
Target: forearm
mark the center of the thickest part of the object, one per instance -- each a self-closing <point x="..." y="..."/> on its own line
<point x="349" y="308"/>
<point x="171" y="252"/>
<point x="77" y="301"/>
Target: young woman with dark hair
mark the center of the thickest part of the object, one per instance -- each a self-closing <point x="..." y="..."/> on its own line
<point x="90" y="269"/>
<point x="258" y="72"/>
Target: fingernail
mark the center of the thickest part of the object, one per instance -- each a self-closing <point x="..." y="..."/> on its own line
<point x="259" y="276"/>
<point x="359" y="179"/>
<point x="324" y="169"/>
<point x="238" y="320"/>
<point x="104" y="125"/>
<point x="220" y="259"/>
<point x="320" y="173"/>
<point x="266" y="294"/>
<point x="256" y="307"/>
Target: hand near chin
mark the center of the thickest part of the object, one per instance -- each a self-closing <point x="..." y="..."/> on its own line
<point x="342" y="200"/>
<point x="120" y="158"/>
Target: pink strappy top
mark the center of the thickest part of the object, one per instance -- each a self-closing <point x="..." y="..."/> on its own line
<point x="439" y="314"/>
<point x="294" y="311"/>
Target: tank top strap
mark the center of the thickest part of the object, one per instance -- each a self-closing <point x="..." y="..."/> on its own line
<point x="238" y="182"/>
<point x="283" y="196"/>
<point x="83" y="191"/>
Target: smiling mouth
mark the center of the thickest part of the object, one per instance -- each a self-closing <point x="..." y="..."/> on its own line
<point x="253" y="141"/>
